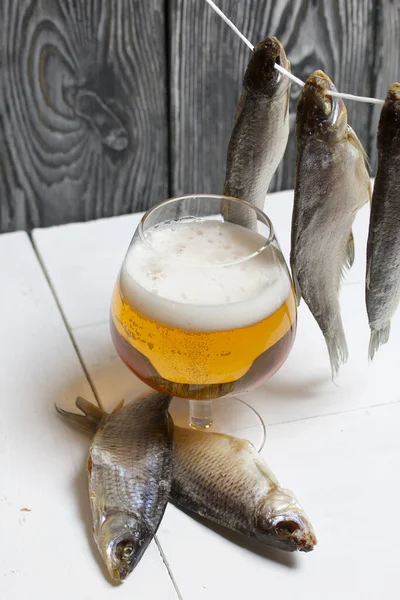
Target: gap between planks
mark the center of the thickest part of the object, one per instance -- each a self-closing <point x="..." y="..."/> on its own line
<point x="166" y="564"/>
<point x="334" y="413"/>
<point x="64" y="318"/>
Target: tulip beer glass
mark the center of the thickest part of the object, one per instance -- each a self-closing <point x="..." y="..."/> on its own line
<point x="203" y="306"/>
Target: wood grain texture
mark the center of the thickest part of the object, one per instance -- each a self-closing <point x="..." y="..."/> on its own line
<point x="208" y="62"/>
<point x="83" y="109"/>
<point x="386" y="69"/>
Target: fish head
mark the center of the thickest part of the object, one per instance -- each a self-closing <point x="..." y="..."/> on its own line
<point x="261" y="77"/>
<point x="282" y="523"/>
<point x="122" y="540"/>
<point x="389" y="122"/>
<point x="318" y="113"/>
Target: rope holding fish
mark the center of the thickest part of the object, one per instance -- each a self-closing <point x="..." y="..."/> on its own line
<point x="288" y="74"/>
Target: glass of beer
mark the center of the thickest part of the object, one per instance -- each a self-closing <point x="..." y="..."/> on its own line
<point x="204" y="307"/>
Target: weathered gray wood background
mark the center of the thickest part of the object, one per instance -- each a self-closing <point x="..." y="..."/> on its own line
<point x="109" y="106"/>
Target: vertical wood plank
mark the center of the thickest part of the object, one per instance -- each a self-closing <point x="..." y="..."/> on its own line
<point x="83" y="119"/>
<point x="386" y="68"/>
<point x="208" y="63"/>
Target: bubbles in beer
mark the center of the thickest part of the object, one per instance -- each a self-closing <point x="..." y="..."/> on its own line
<point x="201" y="275"/>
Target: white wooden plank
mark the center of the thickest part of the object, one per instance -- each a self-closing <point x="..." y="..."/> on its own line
<point x="345" y="471"/>
<point x="82" y="261"/>
<point x="112" y="379"/>
<point x="48" y="552"/>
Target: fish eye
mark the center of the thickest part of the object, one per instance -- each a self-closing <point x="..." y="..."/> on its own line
<point x="327" y="106"/>
<point x="128" y="551"/>
<point x="124" y="550"/>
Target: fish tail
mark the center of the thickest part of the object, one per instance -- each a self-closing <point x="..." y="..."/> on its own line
<point x="338" y="352"/>
<point x="91" y="418"/>
<point x="378" y="337"/>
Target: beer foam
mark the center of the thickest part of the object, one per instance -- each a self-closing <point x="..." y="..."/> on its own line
<point x="195" y="275"/>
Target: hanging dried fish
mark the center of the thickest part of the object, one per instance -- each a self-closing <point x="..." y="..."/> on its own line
<point x="332" y="184"/>
<point x="260" y="131"/>
<point x="383" y="248"/>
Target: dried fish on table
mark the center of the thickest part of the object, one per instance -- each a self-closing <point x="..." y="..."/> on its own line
<point x="260" y="131"/>
<point x="129" y="473"/>
<point x="383" y="248"/>
<point x="332" y="184"/>
<point x="224" y="479"/>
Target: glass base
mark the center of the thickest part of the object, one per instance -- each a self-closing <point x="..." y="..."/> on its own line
<point x="231" y="416"/>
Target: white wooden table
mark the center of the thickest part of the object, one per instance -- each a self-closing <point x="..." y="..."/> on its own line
<point x="337" y="447"/>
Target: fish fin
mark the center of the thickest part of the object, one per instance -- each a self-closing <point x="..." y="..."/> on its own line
<point x="350" y="253"/>
<point x="355" y="141"/>
<point x="338" y="352"/>
<point x="378" y="337"/>
<point x="80" y="420"/>
<point x="239" y="444"/>
<point x="90" y="409"/>
<point x="119" y="406"/>
<point x="264" y="469"/>
<point x="297" y="289"/>
<point x="90" y="420"/>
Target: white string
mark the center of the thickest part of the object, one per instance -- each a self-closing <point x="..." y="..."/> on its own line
<point x="356" y="98"/>
<point x="283" y="70"/>
<point x="289" y="75"/>
<point x="231" y="25"/>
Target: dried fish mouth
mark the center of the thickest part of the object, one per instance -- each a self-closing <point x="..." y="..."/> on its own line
<point x="282" y="523"/>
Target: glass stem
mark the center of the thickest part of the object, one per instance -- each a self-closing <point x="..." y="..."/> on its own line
<point x="200" y="414"/>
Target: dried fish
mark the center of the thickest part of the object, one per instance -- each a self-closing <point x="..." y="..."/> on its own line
<point x="224" y="479"/>
<point x="129" y="473"/>
<point x="260" y="131"/>
<point x="332" y="184"/>
<point x="383" y="248"/>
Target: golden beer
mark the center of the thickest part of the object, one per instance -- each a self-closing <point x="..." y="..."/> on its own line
<point x="200" y="311"/>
